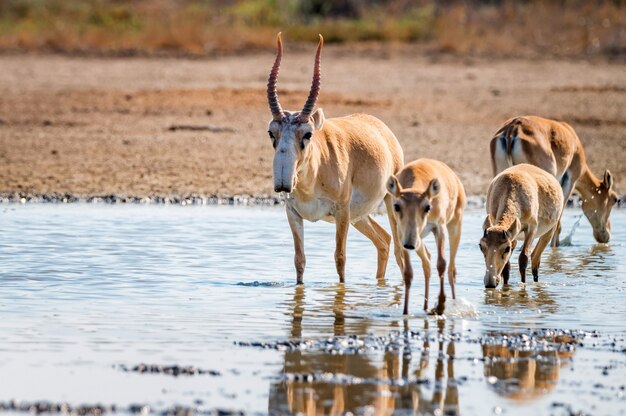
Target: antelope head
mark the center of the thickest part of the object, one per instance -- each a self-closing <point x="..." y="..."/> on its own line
<point x="597" y="208"/>
<point x="497" y="245"/>
<point x="411" y="210"/>
<point x="291" y="132"/>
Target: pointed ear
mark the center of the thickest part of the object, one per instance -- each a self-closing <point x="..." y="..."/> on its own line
<point x="318" y="119"/>
<point x="608" y="179"/>
<point x="513" y="230"/>
<point x="393" y="186"/>
<point x="486" y="225"/>
<point x="433" y="188"/>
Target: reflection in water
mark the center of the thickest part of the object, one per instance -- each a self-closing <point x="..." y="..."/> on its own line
<point x="445" y="396"/>
<point x="61" y="298"/>
<point x="339" y="305"/>
<point x="520" y="367"/>
<point x="598" y="258"/>
<point x="298" y="312"/>
<point x="523" y="297"/>
<point x="317" y="382"/>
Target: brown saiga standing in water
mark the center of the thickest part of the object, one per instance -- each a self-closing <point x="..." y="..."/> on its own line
<point x="333" y="170"/>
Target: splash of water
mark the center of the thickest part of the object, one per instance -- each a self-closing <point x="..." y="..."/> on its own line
<point x="461" y="308"/>
<point x="567" y="241"/>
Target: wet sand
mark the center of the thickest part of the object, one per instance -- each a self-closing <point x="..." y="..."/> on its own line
<point x="84" y="127"/>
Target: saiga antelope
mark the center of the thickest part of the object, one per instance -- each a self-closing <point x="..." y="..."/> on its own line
<point x="521" y="199"/>
<point x="428" y="197"/>
<point x="332" y="169"/>
<point x="554" y="147"/>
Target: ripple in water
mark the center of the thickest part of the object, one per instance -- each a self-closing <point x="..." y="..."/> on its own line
<point x="87" y="287"/>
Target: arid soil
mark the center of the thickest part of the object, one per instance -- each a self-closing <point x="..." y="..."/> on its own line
<point x="91" y="126"/>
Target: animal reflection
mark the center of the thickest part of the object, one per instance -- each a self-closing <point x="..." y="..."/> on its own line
<point x="570" y="262"/>
<point x="535" y="297"/>
<point x="521" y="372"/>
<point x="376" y="382"/>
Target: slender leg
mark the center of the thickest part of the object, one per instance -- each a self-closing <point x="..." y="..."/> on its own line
<point x="556" y="241"/>
<point x="397" y="247"/>
<point x="535" y="257"/>
<point x="440" y="236"/>
<point x="567" y="184"/>
<point x="342" y="216"/>
<point x="454" y="230"/>
<point x="408" y="278"/>
<point x="506" y="272"/>
<point x="529" y="236"/>
<point x="381" y="239"/>
<point x="424" y="256"/>
<point x="297" y="230"/>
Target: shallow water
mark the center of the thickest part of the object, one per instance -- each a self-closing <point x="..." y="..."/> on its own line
<point x="88" y="289"/>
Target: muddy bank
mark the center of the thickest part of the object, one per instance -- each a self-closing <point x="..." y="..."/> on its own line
<point x="45" y="407"/>
<point x="160" y="127"/>
<point x="260" y="200"/>
<point x="473" y="201"/>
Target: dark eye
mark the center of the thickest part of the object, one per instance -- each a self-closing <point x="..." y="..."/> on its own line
<point x="507" y="249"/>
<point x="306" y="137"/>
<point x="396" y="207"/>
<point x="480" y="246"/>
<point x="273" y="139"/>
<point x="427" y="208"/>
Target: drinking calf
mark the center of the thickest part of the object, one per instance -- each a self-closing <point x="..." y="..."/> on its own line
<point x="522" y="199"/>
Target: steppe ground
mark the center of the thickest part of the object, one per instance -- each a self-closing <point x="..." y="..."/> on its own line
<point x="98" y="126"/>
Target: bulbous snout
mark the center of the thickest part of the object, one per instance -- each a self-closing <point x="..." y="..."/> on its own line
<point x="282" y="188"/>
<point x="410" y="242"/>
<point x="491" y="281"/>
<point x="284" y="171"/>
<point x="602" y="236"/>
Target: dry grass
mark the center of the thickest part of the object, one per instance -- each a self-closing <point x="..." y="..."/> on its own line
<point x="537" y="28"/>
<point x="569" y="28"/>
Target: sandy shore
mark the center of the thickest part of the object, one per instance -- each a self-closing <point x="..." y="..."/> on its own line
<point x="94" y="127"/>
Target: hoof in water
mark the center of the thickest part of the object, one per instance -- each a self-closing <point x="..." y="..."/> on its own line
<point x="437" y="310"/>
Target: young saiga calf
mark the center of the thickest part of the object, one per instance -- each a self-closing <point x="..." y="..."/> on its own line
<point x="554" y="147"/>
<point x="428" y="197"/>
<point x="332" y="169"/>
<point x="522" y="199"/>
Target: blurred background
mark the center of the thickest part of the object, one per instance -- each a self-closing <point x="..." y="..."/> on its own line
<point x="569" y="28"/>
<point x="152" y="99"/>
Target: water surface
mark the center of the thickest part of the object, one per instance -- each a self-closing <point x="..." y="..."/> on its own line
<point x="88" y="289"/>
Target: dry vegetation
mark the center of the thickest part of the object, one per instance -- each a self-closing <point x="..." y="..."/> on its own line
<point x="570" y="28"/>
<point x="105" y="123"/>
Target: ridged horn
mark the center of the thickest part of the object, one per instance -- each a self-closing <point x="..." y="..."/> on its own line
<point x="272" y="95"/>
<point x="315" y="85"/>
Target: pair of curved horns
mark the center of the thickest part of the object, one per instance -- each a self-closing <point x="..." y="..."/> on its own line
<point x="272" y="94"/>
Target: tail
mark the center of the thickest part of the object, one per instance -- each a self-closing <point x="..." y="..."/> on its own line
<point x="503" y="140"/>
<point x="510" y="134"/>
